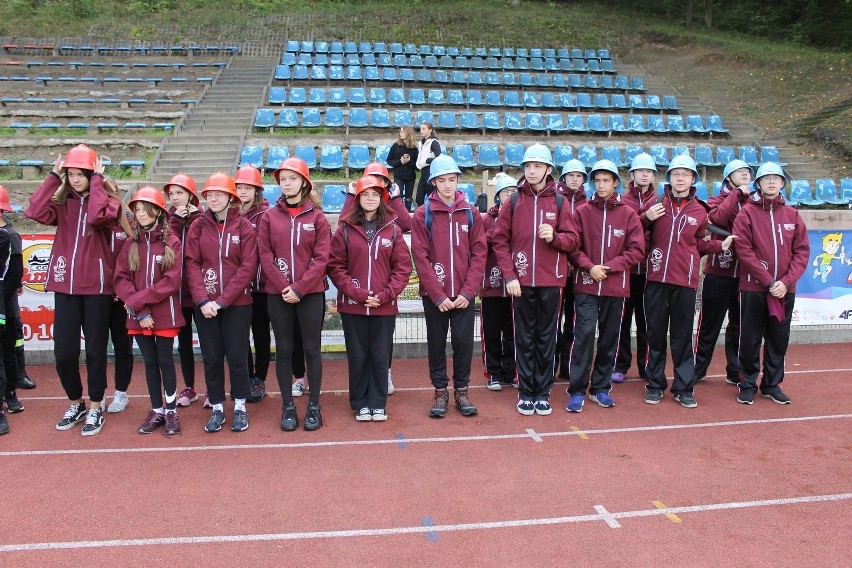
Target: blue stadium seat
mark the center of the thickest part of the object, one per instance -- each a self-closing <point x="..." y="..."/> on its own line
<point x="492" y="98"/>
<point x="512" y="99"/>
<point x="317" y="96"/>
<point x="846" y="190"/>
<point x="474" y="97"/>
<point x="469" y="120"/>
<point x="559" y="81"/>
<point x="390" y="74"/>
<point x="447" y="120"/>
<point x="353" y="73"/>
<point x="406" y="74"/>
<point x="675" y="123"/>
<point x="637" y="83"/>
<point x="607" y="82"/>
<point x="531" y="99"/>
<point x="616" y="123"/>
<point x="282" y="72"/>
<point x="396" y="96"/>
<point x="402" y="117"/>
<point x="619" y="101"/>
<point x="631" y="151"/>
<point x="337" y="95"/>
<point x="491" y="121"/>
<point x="489" y="156"/>
<point x="333" y="197"/>
<point x="455" y="97"/>
<point x="656" y="124"/>
<point x="277" y="95"/>
<point x="378" y="96"/>
<point x="468" y="191"/>
<point x="298" y="96"/>
<point x="542" y="80"/>
<point x="252" y="156"/>
<point x="556" y="122"/>
<point x="357" y="96"/>
<point x="358" y="157"/>
<point x="514" y="154"/>
<point x="307" y="153"/>
<point x="463" y="155"/>
<point x="561" y="154"/>
<point x="382" y="151"/>
<point x="800" y="192"/>
<point x="458" y="77"/>
<point x="575" y="123"/>
<point x="714" y="124"/>
<point x="275" y="156"/>
<point x="475" y="78"/>
<point x="566" y="100"/>
<point x="591" y="82"/>
<point x="436" y="97"/>
<point x="636" y="123"/>
<point x="704" y="156"/>
<point x="513" y="120"/>
<point x="584" y="101"/>
<point x="372" y="73"/>
<point x="597" y="123"/>
<point x="636" y="102"/>
<point x="670" y="103"/>
<point x="826" y="190"/>
<point x="311" y="117"/>
<point x="725" y="154"/>
<point x="424" y="116"/>
<point x="660" y="155"/>
<point x="331" y="157"/>
<point x="265" y="118"/>
<point x="357" y="118"/>
<point x="548" y="100"/>
<point x="300" y="72"/>
<point x="694" y="123"/>
<point x="506" y="79"/>
<point x="380" y="118"/>
<point x="717" y="187"/>
<point x="702" y="192"/>
<point x="601" y="101"/>
<point x="622" y="83"/>
<point x="748" y="154"/>
<point x="588" y="154"/>
<point x="652" y="102"/>
<point x="333" y="117"/>
<point x="770" y="154"/>
<point x="441" y="76"/>
<point x="680" y="150"/>
<point x="416" y="97"/>
<point x="533" y="121"/>
<point x="612" y="153"/>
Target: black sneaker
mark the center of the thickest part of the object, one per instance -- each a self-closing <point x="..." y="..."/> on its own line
<point x="94" y="421"/>
<point x="494" y="384"/>
<point x="75" y="414"/>
<point x="26" y="383"/>
<point x="313" y="418"/>
<point x="4" y="424"/>
<point x="653" y="396"/>
<point x="13" y="404"/>
<point x="732" y="380"/>
<point x="699" y="378"/>
<point x="240" y="421"/>
<point x="257" y="390"/>
<point x="686" y="399"/>
<point x="215" y="422"/>
<point x="172" y="424"/>
<point x="776" y="396"/>
<point x="745" y="396"/>
<point x="289" y="419"/>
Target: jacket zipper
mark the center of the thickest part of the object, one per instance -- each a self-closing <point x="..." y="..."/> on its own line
<point x="80" y="220"/>
<point x="669" y="250"/>
<point x="608" y="235"/>
<point x="452" y="257"/>
<point x="535" y="236"/>
<point x="774" y="245"/>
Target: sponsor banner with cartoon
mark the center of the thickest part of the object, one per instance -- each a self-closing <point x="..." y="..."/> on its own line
<point x="36" y="304"/>
<point x="824" y="293"/>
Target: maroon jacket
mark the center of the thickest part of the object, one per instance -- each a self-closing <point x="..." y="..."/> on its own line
<point x="403" y="217"/>
<point x="220" y="266"/>
<point x="639" y="202"/>
<point x="675" y="242"/>
<point x="452" y="261"/>
<point x="573" y="199"/>
<point x="493" y="285"/>
<point x="254" y="216"/>
<point x="117" y="239"/>
<point x="358" y="267"/>
<point x="723" y="209"/>
<point x="80" y="259"/>
<point x="611" y="235"/>
<point x="179" y="226"/>
<point x="293" y="250"/>
<point x="522" y="255"/>
<point x="772" y="244"/>
<point x="150" y="290"/>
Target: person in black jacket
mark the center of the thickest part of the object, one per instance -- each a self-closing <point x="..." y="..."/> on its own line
<point x="427" y="150"/>
<point x="402" y="157"/>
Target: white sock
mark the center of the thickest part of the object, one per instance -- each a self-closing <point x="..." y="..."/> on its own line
<point x="220" y="407"/>
<point x="240" y="404"/>
<point x="159" y="410"/>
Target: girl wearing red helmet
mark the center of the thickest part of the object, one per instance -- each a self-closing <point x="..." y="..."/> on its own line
<point x="80" y="274"/>
<point x="253" y="205"/>
<point x="185" y="210"/>
<point x="147" y="280"/>
<point x="294" y="240"/>
<point x="370" y="265"/>
<point x="221" y="262"/>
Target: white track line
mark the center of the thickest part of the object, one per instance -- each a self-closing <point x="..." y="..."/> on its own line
<point x="610" y="518"/>
<point x="527" y="434"/>
<point x="430" y="389"/>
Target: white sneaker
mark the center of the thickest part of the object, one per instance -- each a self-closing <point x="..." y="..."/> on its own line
<point x="379" y="415"/>
<point x="364" y="415"/>
<point x="390" y="383"/>
<point x="119" y="403"/>
<point x="299" y="387"/>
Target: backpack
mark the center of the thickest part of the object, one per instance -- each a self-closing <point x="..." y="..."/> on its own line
<point x="560" y="199"/>
<point x="428" y="213"/>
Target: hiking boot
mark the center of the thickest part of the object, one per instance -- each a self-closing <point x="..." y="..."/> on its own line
<point x="391" y="388"/>
<point x="172" y="424"/>
<point x="653" y="396"/>
<point x="257" y="390"/>
<point x="463" y="402"/>
<point x="526" y="407"/>
<point x="24" y="382"/>
<point x="542" y="407"/>
<point x="119" y="403"/>
<point x="240" y="421"/>
<point x="153" y="421"/>
<point x="75" y="414"/>
<point x="575" y="403"/>
<point x="313" y="418"/>
<point x="215" y="422"/>
<point x="745" y="396"/>
<point x="364" y="415"/>
<point x="94" y="421"/>
<point x="187" y="396"/>
<point x="440" y="403"/>
<point x="776" y="396"/>
<point x="494" y="384"/>
<point x="13" y="404"/>
<point x="4" y="424"/>
<point x="298" y="387"/>
<point x="686" y="399"/>
<point x="602" y="399"/>
<point x="289" y="418"/>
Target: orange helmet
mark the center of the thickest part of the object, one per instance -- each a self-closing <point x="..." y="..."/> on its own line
<point x="186" y="182"/>
<point x="249" y="175"/>
<point x="295" y="164"/>
<point x="371" y="182"/>
<point x="4" y="200"/>
<point x="80" y="156"/>
<point x="150" y="195"/>
<point x="220" y="182"/>
<point x="377" y="169"/>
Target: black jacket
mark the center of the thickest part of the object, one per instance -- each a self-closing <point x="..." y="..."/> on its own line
<point x="400" y="170"/>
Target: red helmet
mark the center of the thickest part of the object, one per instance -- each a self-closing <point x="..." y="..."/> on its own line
<point x="377" y="169"/>
<point x="294" y="164"/>
<point x="249" y="175"/>
<point x="4" y="200"/>
<point x="220" y="182"/>
<point x="371" y="182"/>
<point x="186" y="182"/>
<point x="150" y="195"/>
<point x="81" y="157"/>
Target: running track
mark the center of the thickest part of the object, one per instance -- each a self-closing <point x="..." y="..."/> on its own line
<point x="637" y="485"/>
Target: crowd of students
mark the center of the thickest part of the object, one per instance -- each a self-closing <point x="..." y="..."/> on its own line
<point x="551" y="268"/>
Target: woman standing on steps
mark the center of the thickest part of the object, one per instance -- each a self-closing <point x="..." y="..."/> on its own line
<point x="427" y="150"/>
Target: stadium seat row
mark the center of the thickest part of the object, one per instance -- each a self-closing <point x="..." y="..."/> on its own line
<point x="467" y="97"/>
<point x="123" y="49"/>
<point x="42" y="163"/>
<point x="103" y="80"/>
<point x="92" y="100"/>
<point x="364" y="47"/>
<point x="120" y="64"/>
<point x="448" y="62"/>
<point x="100" y="126"/>
<point x="355" y="117"/>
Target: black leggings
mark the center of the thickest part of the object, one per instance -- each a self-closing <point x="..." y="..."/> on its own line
<point x="423" y="186"/>
<point x="91" y="314"/>
<point x="122" y="346"/>
<point x="186" y="351"/>
<point x="159" y="369"/>
<point x="309" y="310"/>
<point x="259" y="360"/>
<point x="406" y="188"/>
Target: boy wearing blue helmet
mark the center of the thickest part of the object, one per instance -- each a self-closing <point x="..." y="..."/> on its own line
<point x="773" y="249"/>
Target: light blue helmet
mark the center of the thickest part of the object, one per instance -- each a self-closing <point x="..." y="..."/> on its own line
<point x="538" y="153"/>
<point x="574" y="166"/>
<point x="643" y="161"/>
<point x="768" y="168"/>
<point x="605" y="166"/>
<point x="735" y="165"/>
<point x="682" y="161"/>
<point x="443" y="165"/>
<point x="502" y="181"/>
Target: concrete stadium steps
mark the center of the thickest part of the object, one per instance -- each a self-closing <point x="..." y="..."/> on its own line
<point x="211" y="136"/>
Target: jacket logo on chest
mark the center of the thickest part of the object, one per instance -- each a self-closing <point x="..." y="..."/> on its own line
<point x="618" y="233"/>
<point x="308" y="227"/>
<point x="655" y="259"/>
<point x="440" y="272"/>
<point x="211" y="280"/>
<point x="235" y="239"/>
<point x="550" y="216"/>
<point x="521" y="263"/>
<point x="59" y="269"/>
<point x="691" y="220"/>
<point x="386" y="243"/>
<point x="789" y="227"/>
<point x="158" y="258"/>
